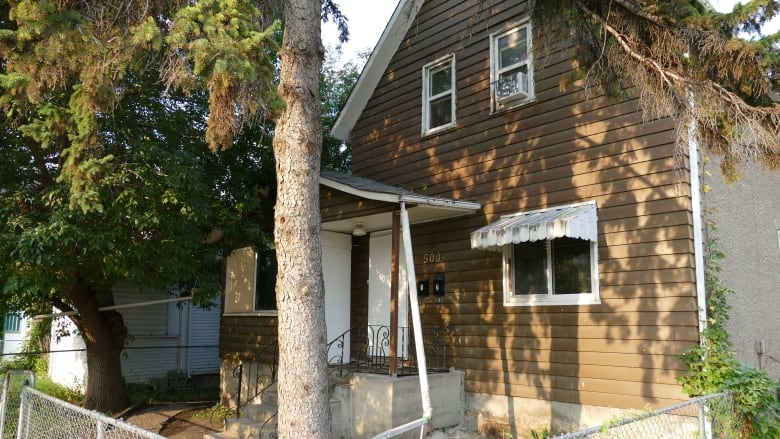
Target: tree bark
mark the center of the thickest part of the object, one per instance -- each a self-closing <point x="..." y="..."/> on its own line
<point x="303" y="394"/>
<point x="104" y="335"/>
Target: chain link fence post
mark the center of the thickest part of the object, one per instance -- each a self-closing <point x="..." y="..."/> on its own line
<point x="13" y="383"/>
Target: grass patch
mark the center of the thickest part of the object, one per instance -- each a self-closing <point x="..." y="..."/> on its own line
<point x="152" y="395"/>
<point x="49" y="387"/>
<point x="217" y="411"/>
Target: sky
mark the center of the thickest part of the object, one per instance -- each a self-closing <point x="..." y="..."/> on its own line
<point x="367" y="20"/>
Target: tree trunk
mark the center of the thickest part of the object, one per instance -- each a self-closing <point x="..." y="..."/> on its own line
<point x="303" y="394"/>
<point x="104" y="335"/>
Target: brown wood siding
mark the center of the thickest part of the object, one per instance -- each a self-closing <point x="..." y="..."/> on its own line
<point x="246" y="337"/>
<point x="359" y="288"/>
<point x="567" y="146"/>
<point x="336" y="205"/>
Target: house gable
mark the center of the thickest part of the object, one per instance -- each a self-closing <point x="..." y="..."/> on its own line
<point x="388" y="43"/>
<point x="565" y="146"/>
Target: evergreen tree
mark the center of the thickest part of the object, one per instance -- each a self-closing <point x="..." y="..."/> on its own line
<point x="684" y="60"/>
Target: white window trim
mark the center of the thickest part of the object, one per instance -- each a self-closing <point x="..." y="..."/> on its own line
<point x="426" y="116"/>
<point x="511" y="299"/>
<point x="495" y="105"/>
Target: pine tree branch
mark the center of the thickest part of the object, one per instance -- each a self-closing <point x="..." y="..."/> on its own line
<point x="637" y="10"/>
<point x="669" y="76"/>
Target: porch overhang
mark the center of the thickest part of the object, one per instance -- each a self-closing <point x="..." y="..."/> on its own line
<point x="421" y="208"/>
<point x="572" y="221"/>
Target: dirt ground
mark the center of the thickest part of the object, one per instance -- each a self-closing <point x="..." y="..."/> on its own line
<point x="178" y="421"/>
<point x="175" y="421"/>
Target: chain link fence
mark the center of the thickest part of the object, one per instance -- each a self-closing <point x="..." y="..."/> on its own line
<point x="43" y="416"/>
<point x="166" y="366"/>
<point x="169" y="366"/>
<point x="13" y="384"/>
<point x="706" y="417"/>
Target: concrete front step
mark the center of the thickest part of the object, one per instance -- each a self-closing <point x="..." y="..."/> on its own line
<point x="270" y="396"/>
<point x="259" y="422"/>
<point x="259" y="412"/>
<point x="243" y="428"/>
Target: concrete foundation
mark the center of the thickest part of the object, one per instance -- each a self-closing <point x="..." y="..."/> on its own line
<point x="498" y="415"/>
<point x="379" y="403"/>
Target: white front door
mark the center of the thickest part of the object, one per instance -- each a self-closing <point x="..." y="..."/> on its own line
<point x="379" y="259"/>
<point x="336" y="272"/>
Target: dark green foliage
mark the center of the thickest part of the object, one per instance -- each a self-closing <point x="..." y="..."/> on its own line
<point x="336" y="83"/>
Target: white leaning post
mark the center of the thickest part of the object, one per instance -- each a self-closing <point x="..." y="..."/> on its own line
<point x="418" y="340"/>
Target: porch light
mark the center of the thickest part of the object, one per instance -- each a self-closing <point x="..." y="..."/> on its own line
<point x="359" y="230"/>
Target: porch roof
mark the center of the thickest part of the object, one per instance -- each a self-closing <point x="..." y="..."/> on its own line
<point x="421" y="208"/>
<point x="573" y="221"/>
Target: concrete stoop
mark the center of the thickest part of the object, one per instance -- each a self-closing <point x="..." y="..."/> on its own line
<point x="259" y="421"/>
<point x="361" y="405"/>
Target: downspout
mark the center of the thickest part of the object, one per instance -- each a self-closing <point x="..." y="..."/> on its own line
<point x="698" y="232"/>
<point x="418" y="340"/>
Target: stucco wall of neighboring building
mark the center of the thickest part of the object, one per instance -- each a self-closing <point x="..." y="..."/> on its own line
<point x="747" y="219"/>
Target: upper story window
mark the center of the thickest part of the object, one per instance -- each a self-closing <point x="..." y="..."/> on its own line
<point x="250" y="286"/>
<point x="511" y="67"/>
<point x="550" y="256"/>
<point x="438" y="95"/>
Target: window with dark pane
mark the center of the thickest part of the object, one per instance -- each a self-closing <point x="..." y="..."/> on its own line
<point x="530" y="268"/>
<point x="265" y="280"/>
<point x="439" y="95"/>
<point x="552" y="267"/>
<point x="571" y="266"/>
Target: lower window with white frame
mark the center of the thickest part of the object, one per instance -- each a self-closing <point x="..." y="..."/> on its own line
<point x="560" y="271"/>
<point x="550" y="255"/>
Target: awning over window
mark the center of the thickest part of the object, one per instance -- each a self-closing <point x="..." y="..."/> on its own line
<point x="572" y="220"/>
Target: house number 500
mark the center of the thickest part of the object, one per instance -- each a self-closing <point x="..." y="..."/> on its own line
<point x="431" y="257"/>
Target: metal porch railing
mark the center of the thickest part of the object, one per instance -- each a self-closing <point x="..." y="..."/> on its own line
<point x="369" y="350"/>
<point x="259" y="374"/>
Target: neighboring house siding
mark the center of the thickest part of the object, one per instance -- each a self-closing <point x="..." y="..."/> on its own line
<point x="159" y="340"/>
<point x="567" y="146"/>
<point x="746" y="216"/>
<point x="15" y="328"/>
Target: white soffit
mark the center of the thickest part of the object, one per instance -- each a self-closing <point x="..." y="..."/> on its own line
<point x="572" y="220"/>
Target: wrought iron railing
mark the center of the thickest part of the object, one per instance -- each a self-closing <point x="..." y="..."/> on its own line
<point x="369" y="350"/>
<point x="259" y="373"/>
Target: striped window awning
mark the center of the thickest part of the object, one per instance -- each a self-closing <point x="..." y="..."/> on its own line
<point x="572" y="220"/>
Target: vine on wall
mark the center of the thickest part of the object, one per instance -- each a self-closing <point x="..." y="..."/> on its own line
<point x="713" y="366"/>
